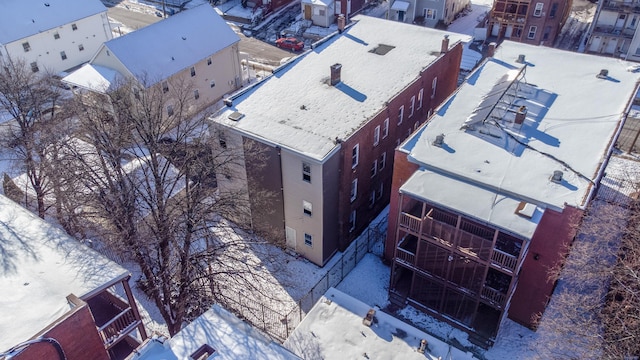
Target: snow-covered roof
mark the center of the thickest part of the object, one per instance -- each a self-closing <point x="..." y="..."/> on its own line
<point x="167" y="47"/>
<point x="297" y="108"/>
<point x="571" y="117"/>
<point x="22" y="18"/>
<point x="334" y="329"/>
<point x="93" y="77"/>
<point x="40" y="265"/>
<point x="230" y="337"/>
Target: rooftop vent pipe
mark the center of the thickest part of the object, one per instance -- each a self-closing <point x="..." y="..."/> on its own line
<point x="557" y="176"/>
<point x="439" y="141"/>
<point x="604" y="73"/>
<point x="521" y="59"/>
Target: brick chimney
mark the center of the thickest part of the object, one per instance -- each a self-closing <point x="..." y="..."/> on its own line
<point x="342" y="23"/>
<point x="491" y="50"/>
<point x="335" y="74"/>
<point x="445" y="44"/>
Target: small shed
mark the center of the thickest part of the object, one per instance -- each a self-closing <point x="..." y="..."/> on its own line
<point x="320" y="12"/>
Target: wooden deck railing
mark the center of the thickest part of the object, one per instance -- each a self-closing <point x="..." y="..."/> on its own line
<point x="410" y="222"/>
<point x="405" y="256"/>
<point x="118" y="327"/>
<point x="494" y="296"/>
<point x="504" y="260"/>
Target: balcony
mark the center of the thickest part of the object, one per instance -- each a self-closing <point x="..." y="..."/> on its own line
<point x="614" y="31"/>
<point x="504" y="260"/>
<point x="405" y="257"/>
<point x="621" y="6"/>
<point x="495" y="297"/>
<point x="114" y="318"/>
<point x="410" y="222"/>
<point x="118" y="327"/>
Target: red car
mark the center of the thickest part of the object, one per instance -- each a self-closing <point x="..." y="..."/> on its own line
<point x="290" y="43"/>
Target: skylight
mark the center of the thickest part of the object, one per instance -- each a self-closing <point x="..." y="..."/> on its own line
<point x="382" y="49"/>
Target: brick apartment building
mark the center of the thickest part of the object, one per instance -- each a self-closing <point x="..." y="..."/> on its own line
<point x="486" y="196"/>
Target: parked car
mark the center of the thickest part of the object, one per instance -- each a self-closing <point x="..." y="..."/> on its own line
<point x="290" y="43"/>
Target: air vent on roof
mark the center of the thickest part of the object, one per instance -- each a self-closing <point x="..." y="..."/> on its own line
<point x="382" y="49"/>
<point x="439" y="140"/>
<point x="604" y="73"/>
<point x="236" y="116"/>
<point x="521" y="59"/>
<point x="557" y="176"/>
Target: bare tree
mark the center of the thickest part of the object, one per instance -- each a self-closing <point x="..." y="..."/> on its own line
<point x="146" y="173"/>
<point x="595" y="310"/>
<point x="29" y="103"/>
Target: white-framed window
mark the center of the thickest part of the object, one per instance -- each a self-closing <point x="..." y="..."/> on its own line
<point x="63" y="55"/>
<point x="354" y="190"/>
<point x="307" y="208"/>
<point x="196" y="94"/>
<point x="376" y="135"/>
<point x="383" y="161"/>
<point x="412" y="105"/>
<point x="430" y="13"/>
<point x="415" y="126"/>
<point x="26" y="47"/>
<point x="355" y="154"/>
<point x="400" y="114"/>
<point x="212" y="84"/>
<point x="165" y="86"/>
<point x="434" y="86"/>
<point x="374" y="168"/>
<point x="385" y="128"/>
<point x="380" y="190"/>
<point x="74" y="27"/>
<point x="56" y="35"/>
<point x="537" y="12"/>
<point x="308" y="240"/>
<point x="306" y="172"/>
<point x="352" y="220"/>
<point x="420" y="94"/>
<point x="532" y="32"/>
<point x="209" y="61"/>
<point x="193" y="71"/>
<point x="34" y="67"/>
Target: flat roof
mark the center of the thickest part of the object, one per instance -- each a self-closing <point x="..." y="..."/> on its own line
<point x="334" y="329"/>
<point x="571" y="117"/>
<point x="40" y="265"/>
<point x="230" y="337"/>
<point x="169" y="46"/>
<point x="298" y="109"/>
<point x="22" y="18"/>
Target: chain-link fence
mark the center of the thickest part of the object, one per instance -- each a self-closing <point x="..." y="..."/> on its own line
<point x="277" y="325"/>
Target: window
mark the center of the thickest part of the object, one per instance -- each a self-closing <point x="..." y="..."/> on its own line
<point x="354" y="189"/>
<point x="376" y="135"/>
<point x="420" y="94"/>
<point x="434" y="85"/>
<point x="308" y="240"/>
<point x="136" y="93"/>
<point x="193" y="71"/>
<point x="307" y="208"/>
<point x="374" y="168"/>
<point x="81" y="47"/>
<point x="554" y="10"/>
<point x="352" y="221"/>
<point x="400" y="114"/>
<point x="212" y="84"/>
<point x="222" y="139"/>
<point x="26" y="46"/>
<point x="56" y="35"/>
<point x="412" y="105"/>
<point x="545" y="34"/>
<point x="63" y="55"/>
<point x="532" y="32"/>
<point x="385" y="128"/>
<point x="34" y="67"/>
<point x="354" y="156"/>
<point x="380" y="190"/>
<point x="537" y="12"/>
<point x="196" y="94"/>
<point x="74" y="27"/>
<point x="372" y="198"/>
<point x="165" y="86"/>
<point x="430" y="14"/>
<point x="209" y="61"/>
<point x="204" y="352"/>
<point x="383" y="161"/>
<point x="415" y="126"/>
<point x="306" y="172"/>
<point x="169" y="110"/>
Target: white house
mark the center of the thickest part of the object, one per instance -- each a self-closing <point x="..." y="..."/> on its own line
<point x="53" y="35"/>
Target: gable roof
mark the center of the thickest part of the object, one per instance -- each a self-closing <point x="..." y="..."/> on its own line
<point x="166" y="47"/>
<point x="297" y="109"/>
<point x="40" y="265"/>
<point x="488" y="164"/>
<point x="22" y="18"/>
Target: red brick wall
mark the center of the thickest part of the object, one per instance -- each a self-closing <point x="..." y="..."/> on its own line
<point x="446" y="69"/>
<point x="554" y="233"/>
<point x="76" y="333"/>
